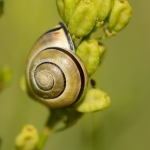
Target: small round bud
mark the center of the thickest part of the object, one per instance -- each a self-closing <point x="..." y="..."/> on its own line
<point x="83" y="19"/>
<point x="89" y="53"/>
<point x="61" y="7"/>
<point x="66" y="9"/>
<point x="27" y="139"/>
<point x="94" y="100"/>
<point x="119" y="15"/>
<point x="103" y="8"/>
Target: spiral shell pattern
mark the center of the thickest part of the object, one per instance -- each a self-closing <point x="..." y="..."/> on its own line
<point x="55" y="75"/>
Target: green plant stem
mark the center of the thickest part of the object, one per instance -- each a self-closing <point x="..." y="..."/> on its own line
<point x="43" y="137"/>
<point x="47" y="131"/>
<point x="53" y="118"/>
<point x="66" y="116"/>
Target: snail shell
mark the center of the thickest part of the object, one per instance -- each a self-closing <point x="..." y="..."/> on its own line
<point x="55" y="75"/>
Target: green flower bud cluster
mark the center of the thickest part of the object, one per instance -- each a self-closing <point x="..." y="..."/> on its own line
<point x="80" y="16"/>
<point x="83" y="17"/>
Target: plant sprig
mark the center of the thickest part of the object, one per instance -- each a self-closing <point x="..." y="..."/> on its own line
<point x="83" y="18"/>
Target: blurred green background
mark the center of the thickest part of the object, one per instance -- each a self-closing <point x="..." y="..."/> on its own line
<point x="124" y="75"/>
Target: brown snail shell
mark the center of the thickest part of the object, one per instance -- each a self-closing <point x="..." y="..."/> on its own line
<point x="55" y="75"/>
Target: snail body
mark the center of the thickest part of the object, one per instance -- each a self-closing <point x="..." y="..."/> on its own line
<point x="55" y="75"/>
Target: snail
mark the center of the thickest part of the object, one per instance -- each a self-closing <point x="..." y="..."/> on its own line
<point x="55" y="75"/>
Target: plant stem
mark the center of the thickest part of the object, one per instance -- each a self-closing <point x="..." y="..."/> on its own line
<point x="47" y="131"/>
<point x="66" y="116"/>
<point x="53" y="118"/>
<point x="43" y="137"/>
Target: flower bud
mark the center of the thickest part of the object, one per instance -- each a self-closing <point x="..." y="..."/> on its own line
<point x="119" y="15"/>
<point x="27" y="139"/>
<point x="69" y="9"/>
<point x="94" y="100"/>
<point x="61" y="7"/>
<point x="89" y="53"/>
<point x="103" y="8"/>
<point x="70" y="6"/>
<point x="83" y="19"/>
<point x="66" y="8"/>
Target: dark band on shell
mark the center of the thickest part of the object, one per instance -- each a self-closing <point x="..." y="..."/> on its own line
<point x="64" y="28"/>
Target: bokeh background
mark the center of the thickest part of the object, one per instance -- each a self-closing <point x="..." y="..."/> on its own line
<point x="124" y="75"/>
